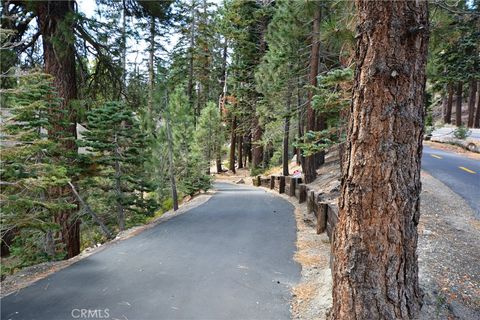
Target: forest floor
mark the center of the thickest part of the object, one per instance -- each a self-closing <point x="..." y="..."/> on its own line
<point x="25" y="277"/>
<point x="448" y="248"/>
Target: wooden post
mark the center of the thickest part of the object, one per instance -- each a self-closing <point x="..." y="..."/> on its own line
<point x="321" y="214"/>
<point x="281" y="188"/>
<point x="293" y="185"/>
<point x="272" y="182"/>
<point x="302" y="193"/>
<point x="332" y="220"/>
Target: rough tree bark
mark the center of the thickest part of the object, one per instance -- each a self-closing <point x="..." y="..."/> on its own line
<point x="375" y="274"/>
<point x="471" y="102"/>
<point x="308" y="163"/>
<point x="458" y="105"/>
<point x="448" y="108"/>
<point x="59" y="58"/>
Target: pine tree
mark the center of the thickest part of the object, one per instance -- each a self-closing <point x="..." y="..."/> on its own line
<point x="33" y="169"/>
<point x="209" y="135"/>
<point x="117" y="145"/>
<point x="454" y="61"/>
<point x="190" y="169"/>
<point x="247" y="24"/>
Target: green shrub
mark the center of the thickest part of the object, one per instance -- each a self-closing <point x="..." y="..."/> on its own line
<point x="461" y="133"/>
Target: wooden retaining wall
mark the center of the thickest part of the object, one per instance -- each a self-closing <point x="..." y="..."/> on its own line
<point x="325" y="213"/>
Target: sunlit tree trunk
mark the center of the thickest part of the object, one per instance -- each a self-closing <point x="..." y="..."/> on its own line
<point x="375" y="273"/>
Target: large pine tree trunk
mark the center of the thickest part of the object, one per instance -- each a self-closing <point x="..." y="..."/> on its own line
<point x="59" y="58"/>
<point x="308" y="163"/>
<point x="375" y="272"/>
<point x="471" y="102"/>
<point x="458" y="105"/>
<point x="448" y="109"/>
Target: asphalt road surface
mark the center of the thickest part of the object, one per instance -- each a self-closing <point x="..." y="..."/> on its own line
<point x="230" y="258"/>
<point x="459" y="173"/>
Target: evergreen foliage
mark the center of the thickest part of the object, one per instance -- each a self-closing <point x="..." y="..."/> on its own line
<point x="116" y="147"/>
<point x="32" y="169"/>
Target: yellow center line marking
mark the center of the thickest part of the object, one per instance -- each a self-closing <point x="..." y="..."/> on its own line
<point x="435" y="156"/>
<point x="468" y="170"/>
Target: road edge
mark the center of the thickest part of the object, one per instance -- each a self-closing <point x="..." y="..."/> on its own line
<point x="24" y="279"/>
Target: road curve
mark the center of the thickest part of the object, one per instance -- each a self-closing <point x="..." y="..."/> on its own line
<point x="458" y="172"/>
<point x="230" y="258"/>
